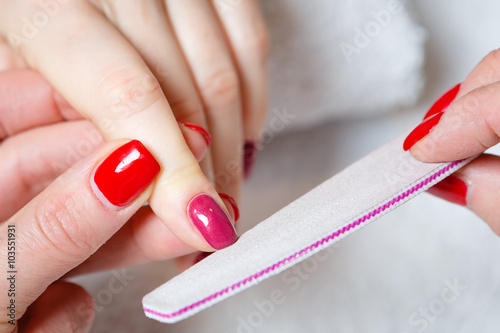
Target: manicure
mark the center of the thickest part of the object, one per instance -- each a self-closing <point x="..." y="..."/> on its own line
<point x="232" y="204"/>
<point x="421" y="131"/>
<point x="124" y="174"/>
<point x="199" y="129"/>
<point x="212" y="221"/>
<point x="452" y="189"/>
<point x="249" y="157"/>
<point x="443" y="102"/>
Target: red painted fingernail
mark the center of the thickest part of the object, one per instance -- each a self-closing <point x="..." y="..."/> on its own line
<point x="249" y="157"/>
<point x="124" y="174"/>
<point x="232" y="204"/>
<point x="199" y="129"/>
<point x="201" y="256"/>
<point x="422" y="130"/>
<point x="212" y="221"/>
<point x="452" y="189"/>
<point x="443" y="102"/>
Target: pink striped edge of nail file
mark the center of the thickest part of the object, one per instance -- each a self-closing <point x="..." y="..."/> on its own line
<point x="355" y="197"/>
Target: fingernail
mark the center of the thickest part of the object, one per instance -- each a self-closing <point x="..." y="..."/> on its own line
<point x="443" y="102"/>
<point x="201" y="256"/>
<point x="124" y="174"/>
<point x="452" y="189"/>
<point x="199" y="129"/>
<point x="421" y="130"/>
<point x="249" y="157"/>
<point x="212" y="221"/>
<point x="231" y="203"/>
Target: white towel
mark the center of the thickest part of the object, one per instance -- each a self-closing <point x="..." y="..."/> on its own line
<point x="331" y="59"/>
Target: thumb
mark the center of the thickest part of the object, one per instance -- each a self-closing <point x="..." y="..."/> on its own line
<point x="75" y="215"/>
<point x="469" y="126"/>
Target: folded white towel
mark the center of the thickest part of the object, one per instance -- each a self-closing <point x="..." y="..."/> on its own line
<point x="330" y="59"/>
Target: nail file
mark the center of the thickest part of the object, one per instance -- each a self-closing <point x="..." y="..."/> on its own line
<point x="350" y="200"/>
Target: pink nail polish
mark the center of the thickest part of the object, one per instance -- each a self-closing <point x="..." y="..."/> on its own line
<point x="212" y="221"/>
<point x="249" y="157"/>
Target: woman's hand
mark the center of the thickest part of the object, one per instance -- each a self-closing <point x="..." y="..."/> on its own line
<point x="63" y="226"/>
<point x="137" y="68"/>
<point x="467" y="127"/>
<point x="41" y="137"/>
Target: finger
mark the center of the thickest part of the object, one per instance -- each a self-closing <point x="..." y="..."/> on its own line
<point x="477" y="186"/>
<point x="76" y="214"/>
<point x="9" y="60"/>
<point x="114" y="88"/>
<point x="485" y="73"/>
<point x="469" y="125"/>
<point x="33" y="159"/>
<point x="157" y="45"/>
<point x="55" y="312"/>
<point x="247" y="36"/>
<point x="184" y="262"/>
<point x="27" y="100"/>
<point x="217" y="81"/>
<point x="143" y="239"/>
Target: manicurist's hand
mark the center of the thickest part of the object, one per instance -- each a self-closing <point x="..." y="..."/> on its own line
<point x="137" y="70"/>
<point x="465" y="122"/>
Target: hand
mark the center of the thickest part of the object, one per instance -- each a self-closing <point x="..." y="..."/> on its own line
<point x="466" y="127"/>
<point x="40" y="139"/>
<point x="110" y="61"/>
<point x="63" y="226"/>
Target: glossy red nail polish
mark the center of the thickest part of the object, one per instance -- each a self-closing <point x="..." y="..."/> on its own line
<point x="249" y="157"/>
<point x="232" y="203"/>
<point x="125" y="174"/>
<point x="421" y="130"/>
<point x="452" y="189"/>
<point x="212" y="221"/>
<point x="199" y="129"/>
<point x="443" y="102"/>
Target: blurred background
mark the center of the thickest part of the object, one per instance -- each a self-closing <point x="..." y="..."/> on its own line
<point x="351" y="75"/>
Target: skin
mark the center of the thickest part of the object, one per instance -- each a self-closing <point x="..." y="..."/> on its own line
<point x="191" y="61"/>
<point x="469" y="126"/>
<point x="91" y="78"/>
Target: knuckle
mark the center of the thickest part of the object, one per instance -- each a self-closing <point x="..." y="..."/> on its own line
<point x="186" y="109"/>
<point x="222" y="88"/>
<point x="127" y="93"/>
<point x="188" y="170"/>
<point x="58" y="225"/>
